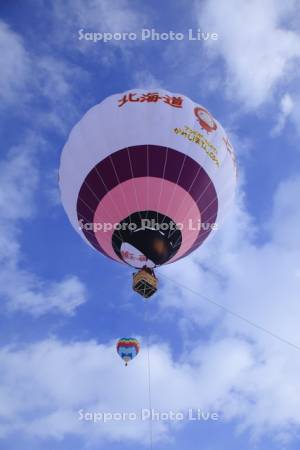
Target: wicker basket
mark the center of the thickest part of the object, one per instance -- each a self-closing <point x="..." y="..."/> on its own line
<point x="144" y="283"/>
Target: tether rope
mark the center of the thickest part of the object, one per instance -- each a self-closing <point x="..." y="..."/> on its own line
<point x="146" y="318"/>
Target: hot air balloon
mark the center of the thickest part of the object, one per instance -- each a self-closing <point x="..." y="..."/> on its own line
<point x="128" y="348"/>
<point x="145" y="178"/>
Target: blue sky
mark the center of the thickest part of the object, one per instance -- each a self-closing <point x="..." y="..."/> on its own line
<point x="63" y="306"/>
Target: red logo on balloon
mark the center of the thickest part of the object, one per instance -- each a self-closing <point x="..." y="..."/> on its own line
<point x="205" y="119"/>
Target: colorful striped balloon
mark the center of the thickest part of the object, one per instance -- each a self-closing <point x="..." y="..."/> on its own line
<point x="128" y="348"/>
<point x="146" y="176"/>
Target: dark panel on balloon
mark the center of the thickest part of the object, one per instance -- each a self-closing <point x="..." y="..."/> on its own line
<point x="157" y="238"/>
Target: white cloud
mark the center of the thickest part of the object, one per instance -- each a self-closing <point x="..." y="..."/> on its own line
<point x="103" y="15"/>
<point x="26" y="292"/>
<point x="27" y="75"/>
<point x="56" y="380"/>
<point x="294" y="116"/>
<point x="22" y="289"/>
<point x="258" y="49"/>
<point x="56" y="81"/>
<point x="53" y="79"/>
<point x="96" y="16"/>
<point x="286" y="108"/>
<point x="15" y="65"/>
<point x="144" y="79"/>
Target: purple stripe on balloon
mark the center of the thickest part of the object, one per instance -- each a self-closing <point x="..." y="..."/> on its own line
<point x="107" y="174"/>
<point x="174" y="165"/>
<point x="121" y="159"/>
<point x="153" y="161"/>
<point x="157" y="161"/>
<point x="138" y="157"/>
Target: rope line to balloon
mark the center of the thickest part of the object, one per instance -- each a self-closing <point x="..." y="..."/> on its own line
<point x="146" y="318"/>
<point x="234" y="314"/>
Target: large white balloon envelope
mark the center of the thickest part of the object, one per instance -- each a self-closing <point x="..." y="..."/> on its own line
<point x="145" y="176"/>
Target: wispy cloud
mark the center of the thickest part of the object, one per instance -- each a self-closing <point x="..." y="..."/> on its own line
<point x="53" y="81"/>
<point x="286" y="109"/>
<point x="56" y="380"/>
<point x="258" y="50"/>
<point x="96" y="16"/>
<point x="15" y="65"/>
<point x="19" y="286"/>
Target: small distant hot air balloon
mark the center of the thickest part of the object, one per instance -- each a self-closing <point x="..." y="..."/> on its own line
<point x="144" y="177"/>
<point x="128" y="348"/>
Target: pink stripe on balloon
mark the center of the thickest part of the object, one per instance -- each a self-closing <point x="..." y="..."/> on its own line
<point x="153" y="194"/>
